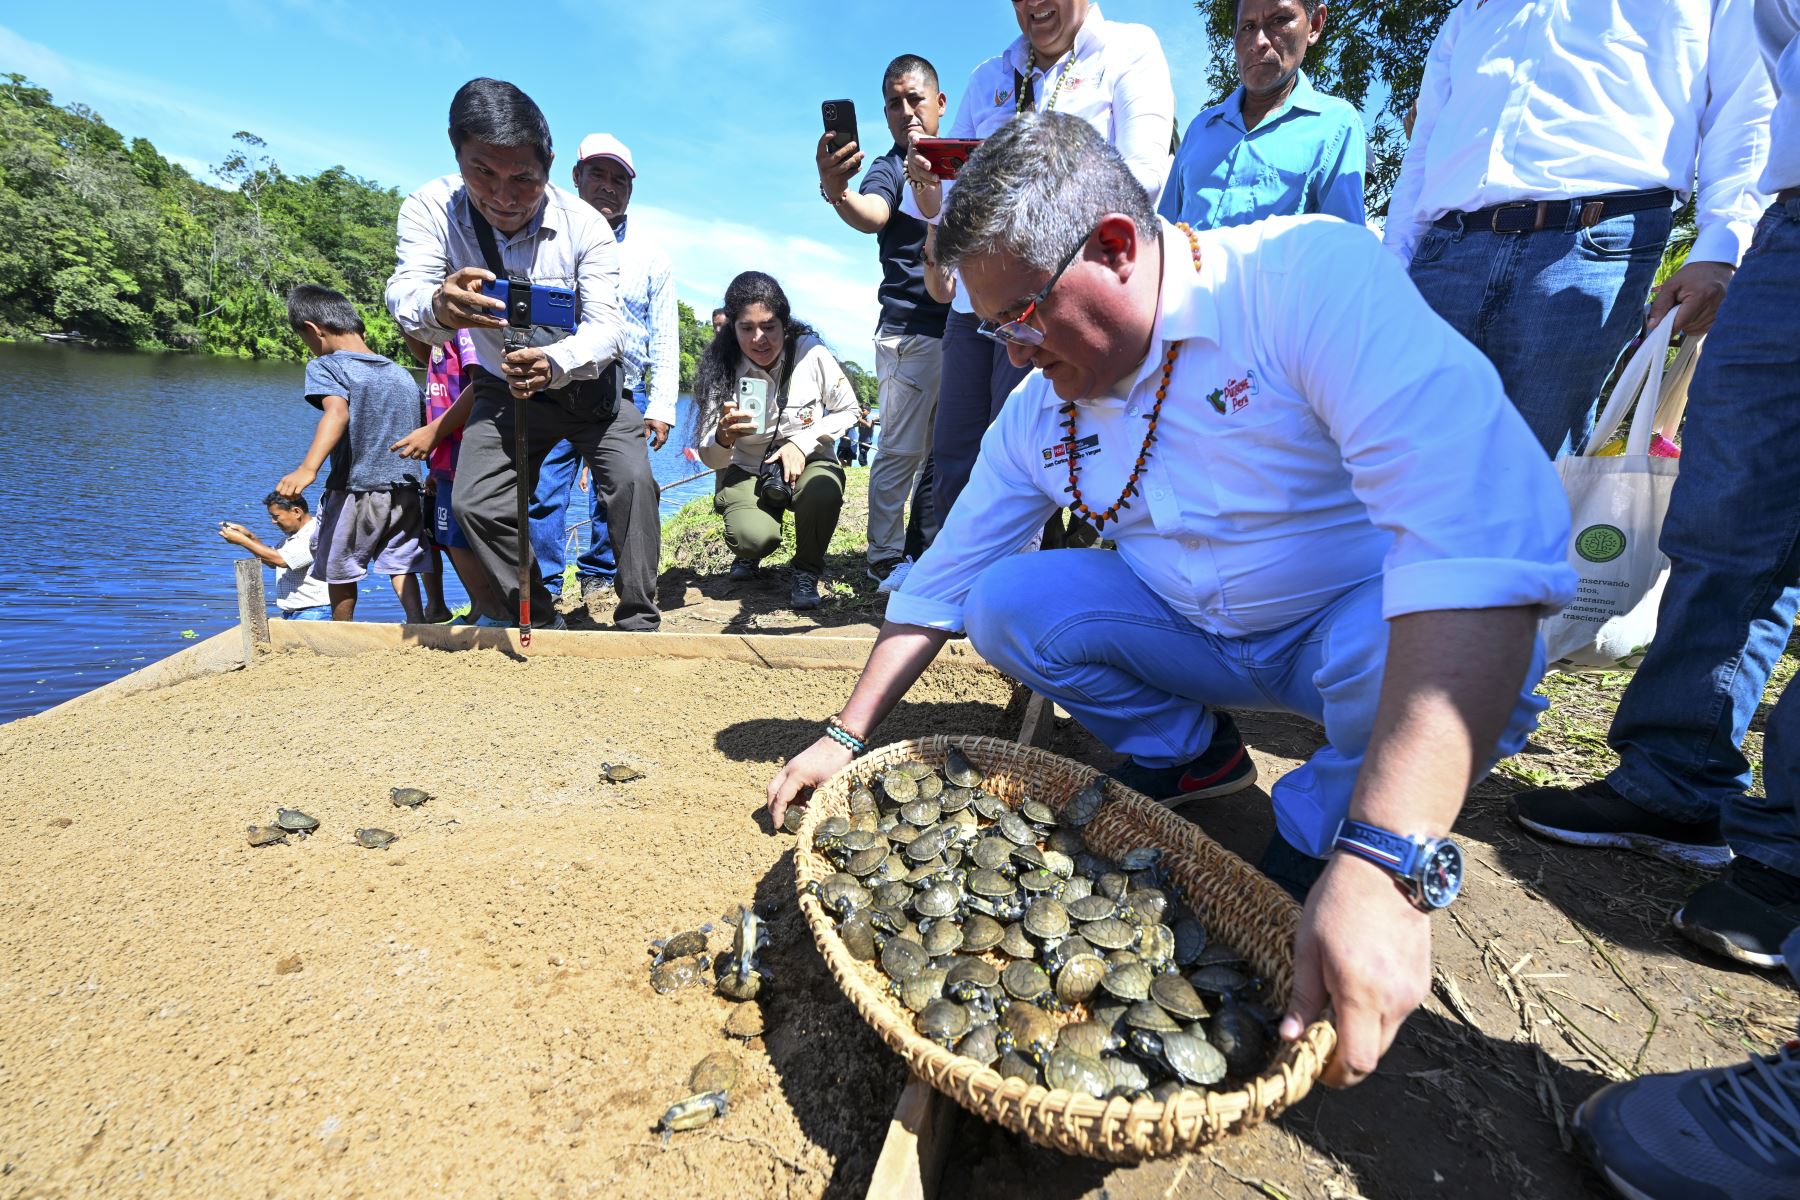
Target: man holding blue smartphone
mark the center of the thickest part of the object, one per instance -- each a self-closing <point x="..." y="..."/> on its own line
<point x="500" y="218"/>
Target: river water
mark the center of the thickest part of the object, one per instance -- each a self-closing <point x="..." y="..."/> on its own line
<point x="115" y="471"/>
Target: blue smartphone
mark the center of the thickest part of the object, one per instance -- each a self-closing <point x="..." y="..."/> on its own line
<point x="535" y="304"/>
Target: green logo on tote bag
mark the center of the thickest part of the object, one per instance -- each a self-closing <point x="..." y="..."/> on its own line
<point x="1600" y="543"/>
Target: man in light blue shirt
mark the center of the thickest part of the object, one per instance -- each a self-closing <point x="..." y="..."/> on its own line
<point x="1276" y="146"/>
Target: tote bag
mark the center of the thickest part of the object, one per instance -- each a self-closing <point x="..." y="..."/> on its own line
<point x="1616" y="507"/>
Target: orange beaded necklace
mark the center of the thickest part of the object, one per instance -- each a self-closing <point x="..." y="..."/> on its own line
<point x="1076" y="504"/>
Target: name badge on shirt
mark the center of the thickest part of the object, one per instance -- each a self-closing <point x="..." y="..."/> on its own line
<point x="1234" y="395"/>
<point x="1058" y="454"/>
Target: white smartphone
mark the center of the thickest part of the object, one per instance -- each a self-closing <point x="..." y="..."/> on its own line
<point x="753" y="398"/>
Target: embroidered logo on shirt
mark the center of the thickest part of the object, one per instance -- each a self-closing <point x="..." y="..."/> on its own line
<point x="1235" y="394"/>
<point x="1057" y="455"/>
<point x="1001" y="96"/>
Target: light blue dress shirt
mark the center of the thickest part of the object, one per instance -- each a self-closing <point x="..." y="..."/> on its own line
<point x="1308" y="156"/>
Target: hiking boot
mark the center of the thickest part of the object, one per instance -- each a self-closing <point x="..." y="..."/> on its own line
<point x="743" y="570"/>
<point x="895" y="577"/>
<point x="597" y="590"/>
<point x="1594" y="814"/>
<point x="804" y="594"/>
<point x="879" y="571"/>
<point x="1728" y="1133"/>
<point x="1224" y="768"/>
<point x="1745" y="914"/>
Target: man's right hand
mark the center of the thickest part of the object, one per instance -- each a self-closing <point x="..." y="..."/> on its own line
<point x="295" y="482"/>
<point x="733" y="425"/>
<point x="459" y="302"/>
<point x="804" y="772"/>
<point x="837" y="165"/>
<point x="928" y="189"/>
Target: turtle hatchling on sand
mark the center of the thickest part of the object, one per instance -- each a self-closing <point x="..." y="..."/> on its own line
<point x="678" y="973"/>
<point x="691" y="1113"/>
<point x="619" y="772"/>
<point x="683" y="945"/>
<point x="295" y="821"/>
<point x="745" y="1022"/>
<point x="268" y="835"/>
<point x="717" y="1072"/>
<point x="408" y="797"/>
<point x="374" y="839"/>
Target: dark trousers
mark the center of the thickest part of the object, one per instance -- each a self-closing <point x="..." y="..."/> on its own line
<point x="485" y="500"/>
<point x="922" y="519"/>
<point x="977" y="379"/>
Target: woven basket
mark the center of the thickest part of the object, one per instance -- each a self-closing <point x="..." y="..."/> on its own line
<point x="1236" y="904"/>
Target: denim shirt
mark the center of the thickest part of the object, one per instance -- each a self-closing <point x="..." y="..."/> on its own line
<point x="1307" y="156"/>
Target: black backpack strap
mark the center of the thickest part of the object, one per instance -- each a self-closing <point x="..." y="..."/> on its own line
<point x="484" y="233"/>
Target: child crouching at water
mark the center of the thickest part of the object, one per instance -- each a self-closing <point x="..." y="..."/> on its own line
<point x="370" y="518"/>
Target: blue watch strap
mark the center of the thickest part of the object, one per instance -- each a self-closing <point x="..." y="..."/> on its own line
<point x="1384" y="849"/>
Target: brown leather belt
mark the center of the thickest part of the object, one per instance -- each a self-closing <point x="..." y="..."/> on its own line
<point x="1787" y="194"/>
<point x="1531" y="216"/>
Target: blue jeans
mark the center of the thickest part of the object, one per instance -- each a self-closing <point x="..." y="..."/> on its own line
<point x="1079" y="627"/>
<point x="549" y="515"/>
<point x="321" y="613"/>
<point x="1551" y="310"/>
<point x="1732" y="535"/>
<point x="977" y="378"/>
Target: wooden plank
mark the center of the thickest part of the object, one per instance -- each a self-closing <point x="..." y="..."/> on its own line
<point x="1035" y="731"/>
<point x="216" y="655"/>
<point x="253" y="608"/>
<point x="912" y="1157"/>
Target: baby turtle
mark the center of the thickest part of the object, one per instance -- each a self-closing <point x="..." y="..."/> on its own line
<point x="619" y="772"/>
<point x="1149" y="1015"/>
<point x="981" y="1043"/>
<point x="829" y="832"/>
<point x="677" y="973"/>
<point x="899" y="787"/>
<point x="1028" y="1030"/>
<point x="1025" y="981"/>
<point x="989" y="807"/>
<point x="968" y="976"/>
<point x="937" y="902"/>
<point x="1177" y="997"/>
<point x="1013" y="1065"/>
<point x="717" y="1072"/>
<point x="1015" y="829"/>
<point x="1088" y="1037"/>
<point x="923" y="813"/>
<point x="1079" y="977"/>
<point x="944" y="1022"/>
<point x="1240" y="1037"/>
<point x="1046" y="919"/>
<point x="1148" y="905"/>
<point x="1193" y="1059"/>
<point x="683" y="945"/>
<point x="1219" y="980"/>
<point x="795" y="815"/>
<point x="1084" y="805"/>
<point x="268" y="835"/>
<point x="1015" y="944"/>
<point x="864" y="863"/>
<point x="374" y="839"/>
<point x="1075" y="1072"/>
<point x="1129" y="982"/>
<point x="931" y="787"/>
<point x="734" y="984"/>
<point x="1112" y="885"/>
<point x="691" y="1113"/>
<point x="1128" y="1078"/>
<point x="981" y="933"/>
<point x="407" y="797"/>
<point x="944" y="937"/>
<point x="902" y="958"/>
<point x="1141" y="858"/>
<point x="745" y="1022"/>
<point x="295" y="821"/>
<point x="1038" y="813"/>
<point x="1190" y="942"/>
<point x="858" y="933"/>
<point x="960" y="771"/>
<point x="1109" y="933"/>
<point x="862" y="800"/>
<point x="1092" y="908"/>
<point x="991" y="884"/>
<point x="921" y="989"/>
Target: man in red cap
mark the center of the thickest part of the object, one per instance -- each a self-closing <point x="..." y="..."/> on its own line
<point x="649" y="362"/>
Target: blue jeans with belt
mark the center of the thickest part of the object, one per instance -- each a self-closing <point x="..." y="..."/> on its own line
<point x="1079" y="627"/>
<point x="1551" y="309"/>
<point x="1732" y="535"/>
<point x="549" y="515"/>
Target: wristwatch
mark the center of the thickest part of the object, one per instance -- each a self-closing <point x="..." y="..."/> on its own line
<point x="1428" y="870"/>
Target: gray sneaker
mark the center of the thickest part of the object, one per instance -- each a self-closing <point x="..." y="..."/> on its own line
<point x="597" y="591"/>
<point x="805" y="592"/>
<point x="743" y="570"/>
<point x="1729" y="1133"/>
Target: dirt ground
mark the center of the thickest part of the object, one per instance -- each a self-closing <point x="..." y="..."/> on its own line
<point x="468" y="1012"/>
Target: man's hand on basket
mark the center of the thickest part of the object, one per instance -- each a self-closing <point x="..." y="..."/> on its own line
<point x="804" y="772"/>
<point x="1364" y="949"/>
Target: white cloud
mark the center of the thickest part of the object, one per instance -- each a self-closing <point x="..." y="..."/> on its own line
<point x="827" y="288"/>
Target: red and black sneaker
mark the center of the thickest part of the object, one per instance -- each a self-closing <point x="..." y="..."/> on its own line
<point x="1224" y="768"/>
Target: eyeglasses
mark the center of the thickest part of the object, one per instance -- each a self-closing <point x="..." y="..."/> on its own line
<point x="1016" y="332"/>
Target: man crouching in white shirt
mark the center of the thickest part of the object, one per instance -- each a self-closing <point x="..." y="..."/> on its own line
<point x="1312" y="515"/>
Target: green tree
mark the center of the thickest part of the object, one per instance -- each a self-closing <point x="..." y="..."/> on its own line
<point x="1370" y="47"/>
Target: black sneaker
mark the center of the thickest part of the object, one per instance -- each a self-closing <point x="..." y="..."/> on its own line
<point x="1596" y="815"/>
<point x="743" y="570"/>
<point x="1728" y="1131"/>
<point x="1744" y="914"/>
<point x="1224" y="768"/>
<point x="597" y="590"/>
<point x="804" y="594"/>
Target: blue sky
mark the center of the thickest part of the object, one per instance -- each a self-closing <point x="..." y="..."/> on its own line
<point x="718" y="101"/>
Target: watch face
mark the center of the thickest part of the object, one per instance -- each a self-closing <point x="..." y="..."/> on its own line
<point x="1443" y="875"/>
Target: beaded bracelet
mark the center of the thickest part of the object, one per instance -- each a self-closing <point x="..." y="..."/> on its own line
<point x="834" y="729"/>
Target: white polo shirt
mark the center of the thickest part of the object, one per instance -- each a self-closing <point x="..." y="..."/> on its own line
<point x="1323" y="427"/>
<point x="1547" y="100"/>
<point x="1115" y="78"/>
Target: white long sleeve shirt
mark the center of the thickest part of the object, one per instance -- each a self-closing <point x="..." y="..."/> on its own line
<point x="1305" y="447"/>
<point x="651" y="344"/>
<point x="1115" y="78"/>
<point x="567" y="245"/>
<point x="1778" y="27"/>
<point x="1554" y="99"/>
